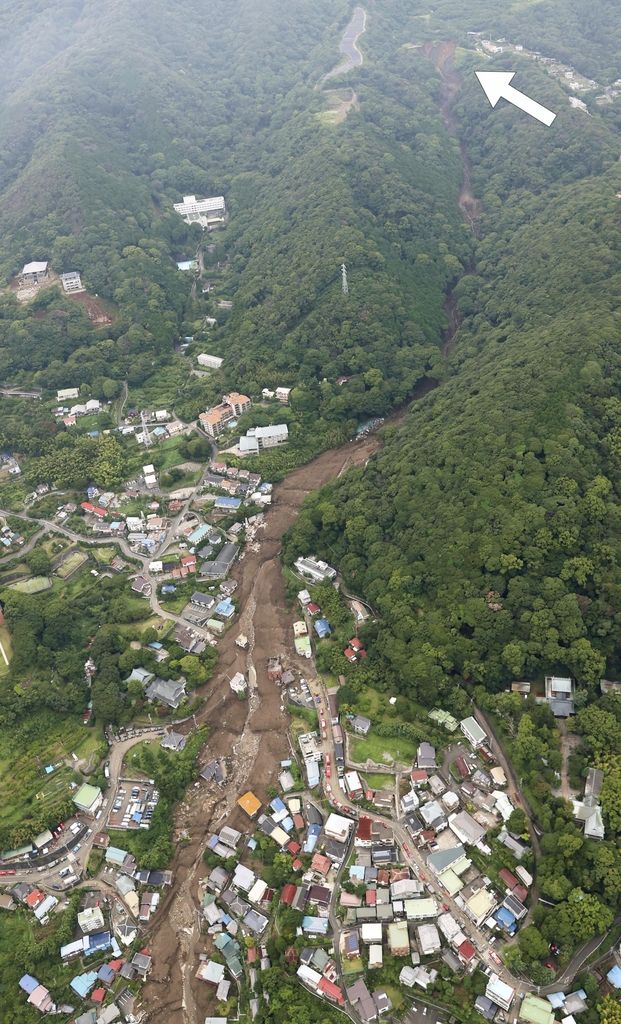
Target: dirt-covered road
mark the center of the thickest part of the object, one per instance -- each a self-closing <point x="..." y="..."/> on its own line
<point x="250" y="735"/>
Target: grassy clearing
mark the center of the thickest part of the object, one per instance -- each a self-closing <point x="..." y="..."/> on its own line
<point x="104" y="555"/>
<point x="394" y="995"/>
<point x="399" y="748"/>
<point x="5" y="640"/>
<point x="380" y="781"/>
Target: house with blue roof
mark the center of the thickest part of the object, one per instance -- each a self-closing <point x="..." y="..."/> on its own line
<point x="277" y="805"/>
<point x="614" y="976"/>
<point x="105" y="974"/>
<point x="312" y="771"/>
<point x="316" y="925"/>
<point x="225" y="608"/>
<point x="99" y="941"/>
<point x="311" y="838"/>
<point x="28" y="983"/>
<point x="506" y="920"/>
<point x="83" y="983"/>
<point x="322" y="628"/>
<point x="227" y="504"/>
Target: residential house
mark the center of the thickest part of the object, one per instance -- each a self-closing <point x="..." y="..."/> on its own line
<point x="167" y="692"/>
<point x="473" y="732"/>
<point x="434" y="816"/>
<point x="466" y="829"/>
<point x="426" y="756"/>
<point x="398" y="938"/>
<point x="361" y="725"/>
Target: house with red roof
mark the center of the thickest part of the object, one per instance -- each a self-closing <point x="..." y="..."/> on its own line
<point x="94" y="510"/>
<point x="313" y="608"/>
<point x="509" y="879"/>
<point x="321" y="864"/>
<point x="331" y="991"/>
<point x="349" y="654"/>
<point x="419" y="777"/>
<point x="287" y="895"/>
<point x="466" y="951"/>
<point x="363" y="831"/>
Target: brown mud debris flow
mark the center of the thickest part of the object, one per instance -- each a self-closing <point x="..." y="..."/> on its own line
<point x="443" y="57"/>
<point x="251" y="736"/>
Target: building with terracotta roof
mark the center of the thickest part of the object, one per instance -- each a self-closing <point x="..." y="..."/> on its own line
<point x="216" y="420"/>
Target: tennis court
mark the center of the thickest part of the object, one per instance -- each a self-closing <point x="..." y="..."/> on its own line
<point x="33" y="586"/>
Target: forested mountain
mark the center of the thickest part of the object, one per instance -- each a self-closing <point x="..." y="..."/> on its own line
<point x="487" y="531"/>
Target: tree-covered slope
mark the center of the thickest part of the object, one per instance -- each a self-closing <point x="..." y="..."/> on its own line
<point x="487" y="532"/>
<point x="109" y="114"/>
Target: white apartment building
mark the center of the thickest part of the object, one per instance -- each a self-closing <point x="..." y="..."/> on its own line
<point x="201" y="211"/>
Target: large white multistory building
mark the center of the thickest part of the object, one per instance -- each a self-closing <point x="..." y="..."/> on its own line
<point x="201" y="211"/>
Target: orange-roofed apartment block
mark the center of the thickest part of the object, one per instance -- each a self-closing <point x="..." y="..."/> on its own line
<point x="215" y="421"/>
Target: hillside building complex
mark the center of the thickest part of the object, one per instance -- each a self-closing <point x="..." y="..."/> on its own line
<point x="201" y="211"/>
<point x="216" y="420"/>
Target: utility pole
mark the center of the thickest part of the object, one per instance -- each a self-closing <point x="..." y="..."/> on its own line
<point x="345" y="285"/>
<point x="145" y="430"/>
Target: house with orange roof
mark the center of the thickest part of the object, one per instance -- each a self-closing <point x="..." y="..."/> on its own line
<point x="249" y="803"/>
<point x="34" y="898"/>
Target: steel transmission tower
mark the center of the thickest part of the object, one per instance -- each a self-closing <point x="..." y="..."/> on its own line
<point x="345" y="285"/>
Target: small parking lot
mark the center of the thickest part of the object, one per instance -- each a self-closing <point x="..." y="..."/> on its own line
<point x="133" y="805"/>
<point x="419" y="1013"/>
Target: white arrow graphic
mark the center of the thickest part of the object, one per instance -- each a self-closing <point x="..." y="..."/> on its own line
<point x="496" y="86"/>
